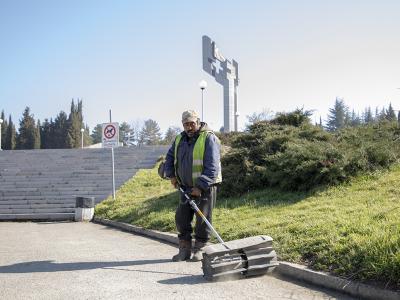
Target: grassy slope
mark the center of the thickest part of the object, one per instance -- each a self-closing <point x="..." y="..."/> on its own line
<point x="351" y="230"/>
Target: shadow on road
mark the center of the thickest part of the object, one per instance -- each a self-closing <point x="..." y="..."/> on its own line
<point x="153" y="272"/>
<point x="51" y="266"/>
<point x="194" y="279"/>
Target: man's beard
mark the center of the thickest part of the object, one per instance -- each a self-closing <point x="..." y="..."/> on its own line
<point x="190" y="133"/>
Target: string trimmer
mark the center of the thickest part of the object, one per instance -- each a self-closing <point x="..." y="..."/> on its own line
<point x="238" y="258"/>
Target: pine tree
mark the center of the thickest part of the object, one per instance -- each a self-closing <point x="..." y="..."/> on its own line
<point x="338" y="116"/>
<point x="26" y="138"/>
<point x="376" y="117"/>
<point x="390" y="114"/>
<point x="45" y="134"/>
<point x="10" y="139"/>
<point x="381" y="115"/>
<point x="150" y="133"/>
<point x="124" y="130"/>
<point x="347" y="118"/>
<point x="136" y="130"/>
<point x="51" y="139"/>
<point x="171" y="134"/>
<point x="355" y="119"/>
<point x="97" y="134"/>
<point x="367" y="116"/>
<point x="60" y="131"/>
<point x="398" y="118"/>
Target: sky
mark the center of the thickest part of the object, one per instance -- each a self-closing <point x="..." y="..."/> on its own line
<point x="143" y="59"/>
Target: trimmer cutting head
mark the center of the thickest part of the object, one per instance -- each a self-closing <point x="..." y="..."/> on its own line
<point x="239" y="258"/>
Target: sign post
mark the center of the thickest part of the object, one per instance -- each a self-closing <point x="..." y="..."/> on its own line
<point x="110" y="139"/>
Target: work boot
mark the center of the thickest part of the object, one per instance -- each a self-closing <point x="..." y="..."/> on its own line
<point x="197" y="252"/>
<point x="185" y="249"/>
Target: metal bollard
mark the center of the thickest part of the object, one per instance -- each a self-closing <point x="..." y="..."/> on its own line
<point x="84" y="209"/>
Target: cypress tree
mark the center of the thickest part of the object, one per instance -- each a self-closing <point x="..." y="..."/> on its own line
<point x="10" y="140"/>
<point x="4" y="128"/>
<point x="69" y="141"/>
<point x="37" y="141"/>
<point x="87" y="139"/>
<point x="75" y="124"/>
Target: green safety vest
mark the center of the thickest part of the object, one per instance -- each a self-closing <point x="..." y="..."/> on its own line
<point x="198" y="156"/>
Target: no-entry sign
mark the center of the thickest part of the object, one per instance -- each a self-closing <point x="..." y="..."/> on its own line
<point x="110" y="135"/>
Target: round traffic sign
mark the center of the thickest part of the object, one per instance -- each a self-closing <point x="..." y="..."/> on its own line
<point x="109" y="131"/>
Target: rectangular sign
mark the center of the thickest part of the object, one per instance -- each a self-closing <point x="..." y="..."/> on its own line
<point x="110" y="135"/>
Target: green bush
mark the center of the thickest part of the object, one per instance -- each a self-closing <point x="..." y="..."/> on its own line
<point x="302" y="157"/>
<point x="227" y="138"/>
<point x="368" y="148"/>
<point x="304" y="165"/>
<point x="296" y="118"/>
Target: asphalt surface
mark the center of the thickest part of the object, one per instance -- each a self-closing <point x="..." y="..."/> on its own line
<point x="69" y="260"/>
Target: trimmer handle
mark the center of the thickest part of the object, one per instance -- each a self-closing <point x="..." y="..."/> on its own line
<point x="194" y="206"/>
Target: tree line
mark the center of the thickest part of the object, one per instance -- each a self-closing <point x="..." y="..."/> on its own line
<point x="340" y="116"/>
<point x="64" y="131"/>
<point x="149" y="133"/>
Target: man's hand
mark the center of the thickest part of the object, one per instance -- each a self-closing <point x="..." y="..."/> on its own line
<point x="174" y="182"/>
<point x="196" y="192"/>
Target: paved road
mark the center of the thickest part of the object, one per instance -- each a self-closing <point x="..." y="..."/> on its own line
<point x="91" y="261"/>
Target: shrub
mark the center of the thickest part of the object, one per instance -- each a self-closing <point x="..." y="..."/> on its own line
<point x="305" y="156"/>
<point x="296" y="118"/>
<point x="304" y="165"/>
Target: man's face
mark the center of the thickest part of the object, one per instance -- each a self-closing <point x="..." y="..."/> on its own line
<point x="191" y="128"/>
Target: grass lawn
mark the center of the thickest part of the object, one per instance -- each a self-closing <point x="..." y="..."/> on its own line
<point x="351" y="230"/>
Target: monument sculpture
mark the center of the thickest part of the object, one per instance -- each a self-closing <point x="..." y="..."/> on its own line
<point x="225" y="73"/>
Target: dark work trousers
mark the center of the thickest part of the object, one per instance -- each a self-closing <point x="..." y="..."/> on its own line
<point x="184" y="216"/>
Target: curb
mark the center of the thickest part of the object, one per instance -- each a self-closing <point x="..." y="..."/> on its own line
<point x="352" y="288"/>
<point x="164" y="236"/>
<point x="299" y="272"/>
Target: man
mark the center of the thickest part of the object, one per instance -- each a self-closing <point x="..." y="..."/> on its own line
<point x="193" y="162"/>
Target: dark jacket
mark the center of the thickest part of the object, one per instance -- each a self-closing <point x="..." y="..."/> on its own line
<point x="211" y="161"/>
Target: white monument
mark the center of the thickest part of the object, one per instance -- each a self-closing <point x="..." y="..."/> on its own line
<point x="225" y="72"/>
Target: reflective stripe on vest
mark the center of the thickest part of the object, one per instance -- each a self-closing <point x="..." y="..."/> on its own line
<point x="198" y="157"/>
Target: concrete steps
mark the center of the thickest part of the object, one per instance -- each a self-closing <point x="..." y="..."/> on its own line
<point x="43" y="184"/>
<point x="31" y="210"/>
<point x="38" y="216"/>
